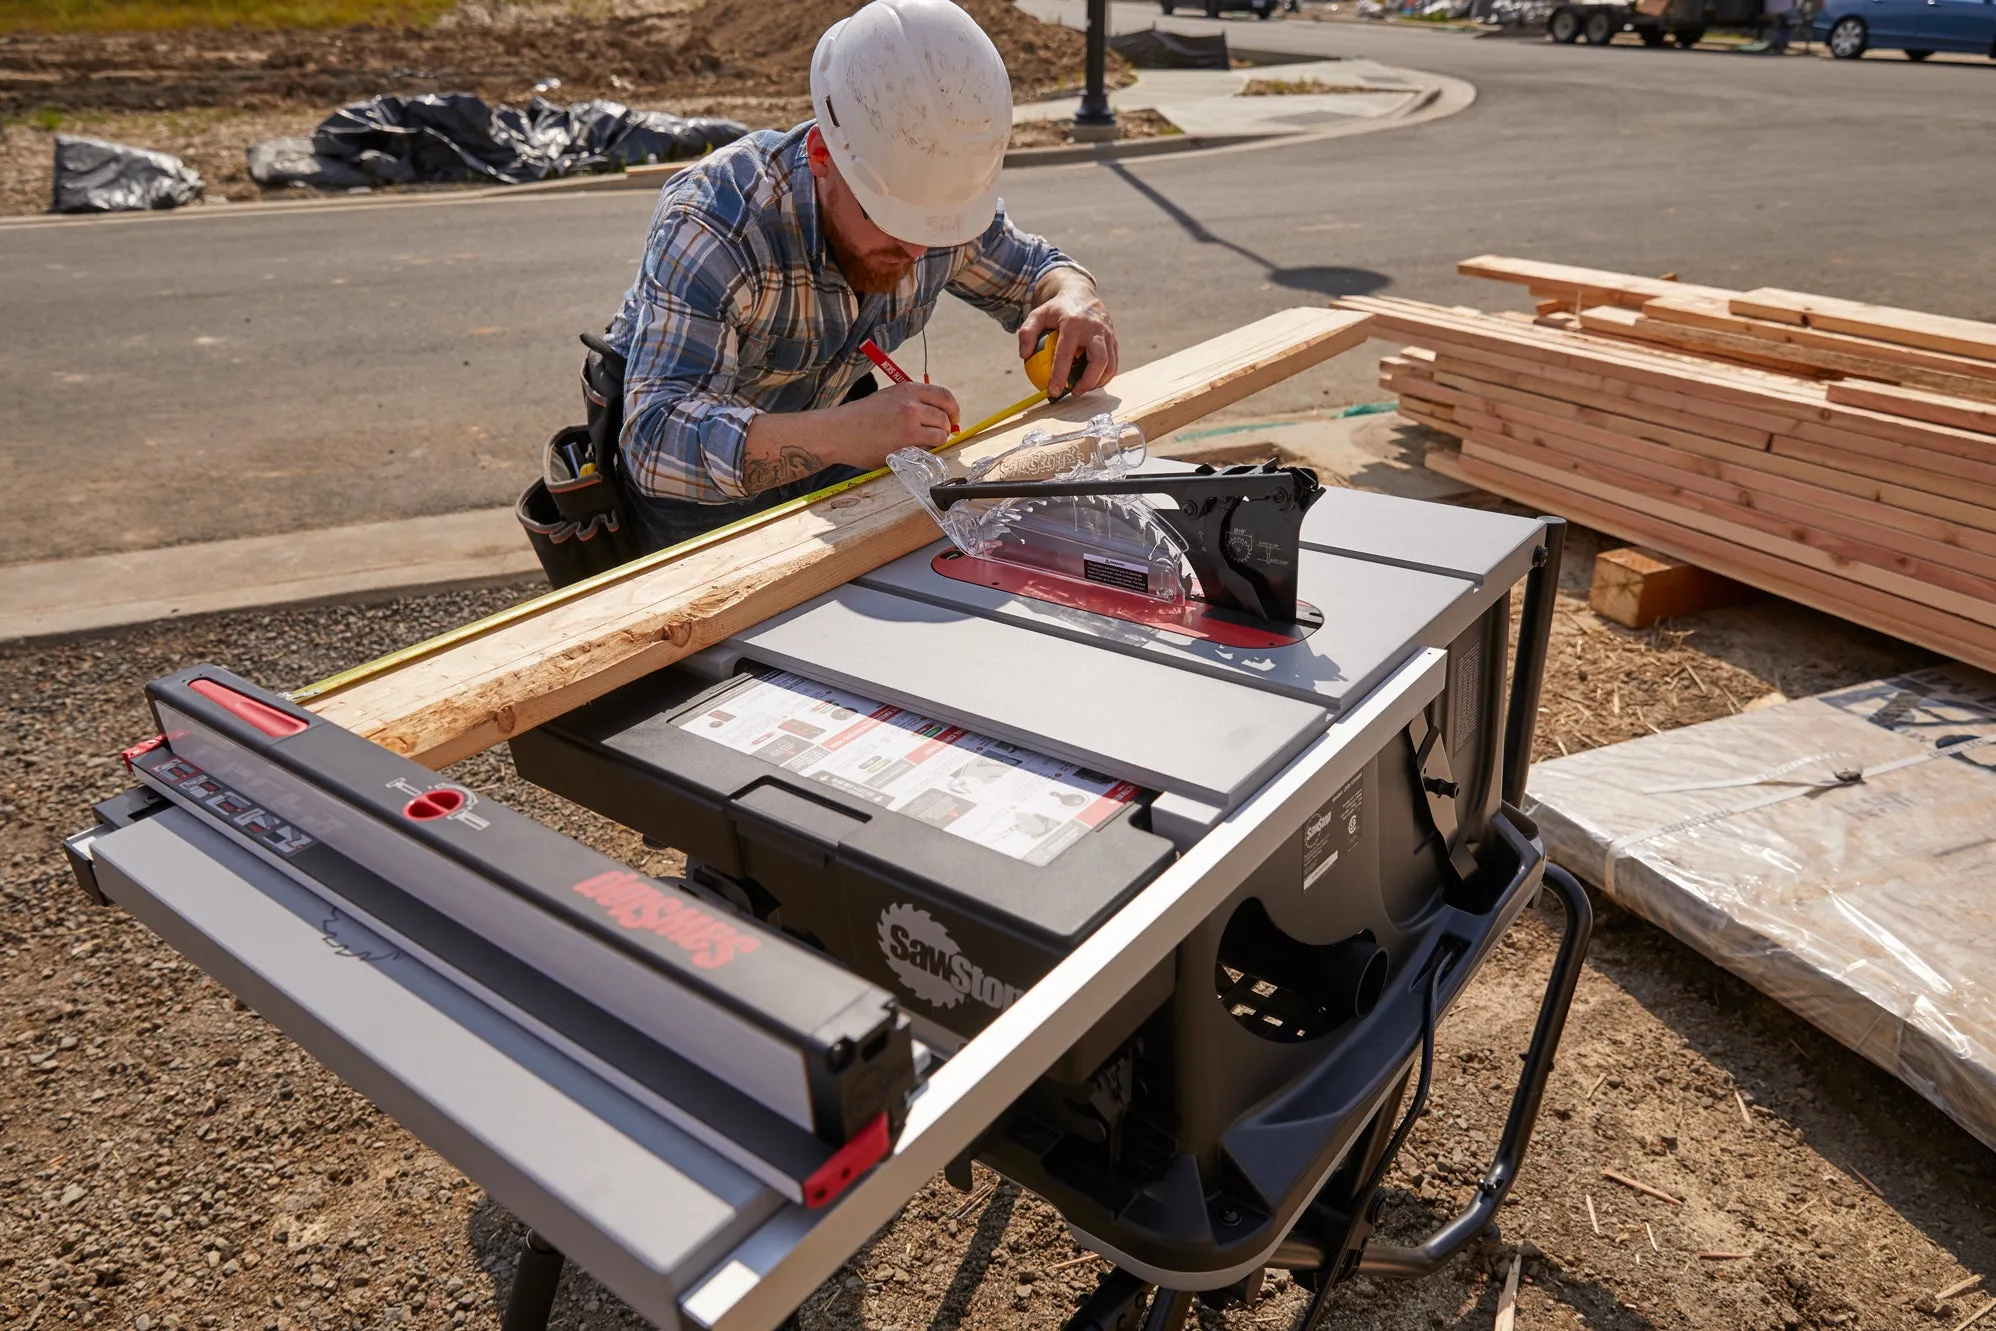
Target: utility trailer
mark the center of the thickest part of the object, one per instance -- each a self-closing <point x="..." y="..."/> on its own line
<point x="1684" y="21"/>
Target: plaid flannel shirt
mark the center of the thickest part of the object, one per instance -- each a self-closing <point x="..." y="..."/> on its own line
<point x="738" y="308"/>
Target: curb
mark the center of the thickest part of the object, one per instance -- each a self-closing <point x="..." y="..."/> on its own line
<point x="1163" y="144"/>
<point x="69" y="598"/>
<point x="1438" y="96"/>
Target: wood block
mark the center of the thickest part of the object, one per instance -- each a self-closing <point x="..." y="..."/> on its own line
<point x="1637" y="587"/>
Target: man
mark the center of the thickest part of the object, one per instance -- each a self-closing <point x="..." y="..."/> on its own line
<point x="1781" y="22"/>
<point x="773" y="260"/>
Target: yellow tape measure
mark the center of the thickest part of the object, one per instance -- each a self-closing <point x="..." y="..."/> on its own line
<point x="549" y="600"/>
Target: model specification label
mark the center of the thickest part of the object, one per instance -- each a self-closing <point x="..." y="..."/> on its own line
<point x="1333" y="830"/>
<point x="998" y="795"/>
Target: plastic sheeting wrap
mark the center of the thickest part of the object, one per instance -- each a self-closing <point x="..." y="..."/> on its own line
<point x="1839" y="853"/>
<point x="95" y="176"/>
<point x="456" y="137"/>
<point x="1152" y="49"/>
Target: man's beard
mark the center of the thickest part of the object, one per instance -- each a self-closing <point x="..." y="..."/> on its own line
<point x="874" y="273"/>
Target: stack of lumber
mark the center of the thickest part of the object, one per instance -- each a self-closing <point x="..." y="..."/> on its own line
<point x="1811" y="337"/>
<point x="1864" y="497"/>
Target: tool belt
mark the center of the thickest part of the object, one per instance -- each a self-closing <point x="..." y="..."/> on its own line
<point x="575" y="515"/>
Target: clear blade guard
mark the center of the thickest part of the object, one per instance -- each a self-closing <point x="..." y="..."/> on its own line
<point x="1101" y="540"/>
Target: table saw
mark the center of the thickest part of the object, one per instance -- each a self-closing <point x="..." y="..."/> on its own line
<point x="1148" y="900"/>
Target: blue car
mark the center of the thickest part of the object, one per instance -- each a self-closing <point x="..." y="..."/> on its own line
<point x="1917" y="27"/>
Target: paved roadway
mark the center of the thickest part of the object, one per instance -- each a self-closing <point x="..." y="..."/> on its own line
<point x="174" y="379"/>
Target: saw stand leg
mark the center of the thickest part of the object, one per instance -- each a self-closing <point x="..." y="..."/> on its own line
<point x="1168" y="1309"/>
<point x="535" y="1280"/>
<point x="1123" y="1302"/>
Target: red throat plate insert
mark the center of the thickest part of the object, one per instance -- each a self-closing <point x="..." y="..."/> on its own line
<point x="1194" y="619"/>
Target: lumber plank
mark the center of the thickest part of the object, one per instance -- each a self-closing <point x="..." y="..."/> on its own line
<point x="1710" y="430"/>
<point x="1977" y="470"/>
<point x="1887" y="469"/>
<point x="1850" y="530"/>
<point x="1585" y="405"/>
<point x="450" y="704"/>
<point x="1746" y="346"/>
<point x="1947" y="634"/>
<point x="1637" y="588"/>
<point x="1709" y="345"/>
<point x="1852" y="560"/>
<point x="1707" y="387"/>
<point x="1696" y="312"/>
<point x="1589" y="285"/>
<point x="1888" y="357"/>
<point x="1912" y="328"/>
<point x="1936" y="408"/>
<point x="1435" y="417"/>
<point x="1619" y="422"/>
<point x="1658" y="367"/>
<point x="1766" y="477"/>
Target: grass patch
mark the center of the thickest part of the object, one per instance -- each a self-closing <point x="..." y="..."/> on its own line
<point x="1299" y="88"/>
<point x="164" y="15"/>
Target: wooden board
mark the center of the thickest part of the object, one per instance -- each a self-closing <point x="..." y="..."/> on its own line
<point x="1833" y="595"/>
<point x="1938" y="408"/>
<point x="1759" y="350"/>
<point x="1843" y="527"/>
<point x="1760" y="398"/>
<point x="1590" y="286"/>
<point x="1847" y="558"/>
<point x="1637" y="588"/>
<point x="1912" y="328"/>
<point x="466" y="697"/>
<point x="1889" y="358"/>
<point x="1760" y="476"/>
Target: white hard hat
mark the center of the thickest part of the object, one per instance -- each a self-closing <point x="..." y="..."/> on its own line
<point x="914" y="103"/>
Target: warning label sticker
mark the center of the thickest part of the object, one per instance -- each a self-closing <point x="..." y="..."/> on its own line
<point x="998" y="795"/>
<point x="1116" y="573"/>
<point x="1333" y="830"/>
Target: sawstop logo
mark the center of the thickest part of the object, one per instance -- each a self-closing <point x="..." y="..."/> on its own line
<point x="924" y="957"/>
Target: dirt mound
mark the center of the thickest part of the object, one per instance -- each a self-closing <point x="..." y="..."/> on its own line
<point x="668" y="59"/>
<point x="776" y="42"/>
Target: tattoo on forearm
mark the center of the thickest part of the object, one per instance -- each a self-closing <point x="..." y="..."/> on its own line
<point x="790" y="464"/>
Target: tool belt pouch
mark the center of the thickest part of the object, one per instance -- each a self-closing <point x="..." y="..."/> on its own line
<point x="574" y="521"/>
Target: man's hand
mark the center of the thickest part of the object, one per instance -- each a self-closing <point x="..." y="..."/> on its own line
<point x="1071" y="310"/>
<point x="909" y="415"/>
<point x="788" y="446"/>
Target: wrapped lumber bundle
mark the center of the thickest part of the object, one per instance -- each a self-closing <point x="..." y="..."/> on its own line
<point x="1872" y="498"/>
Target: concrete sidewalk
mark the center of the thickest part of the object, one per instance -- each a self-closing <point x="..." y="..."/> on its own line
<point x="371" y="561"/>
<point x="1207" y="103"/>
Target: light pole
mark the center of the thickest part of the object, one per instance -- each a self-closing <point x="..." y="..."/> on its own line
<point x="1095" y="121"/>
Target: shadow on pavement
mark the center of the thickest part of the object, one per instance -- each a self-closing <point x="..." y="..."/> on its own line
<point x="1318" y="279"/>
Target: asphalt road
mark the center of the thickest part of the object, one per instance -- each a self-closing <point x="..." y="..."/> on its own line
<point x="192" y="378"/>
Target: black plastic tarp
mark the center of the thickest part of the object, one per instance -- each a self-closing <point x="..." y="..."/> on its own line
<point x="95" y="176"/>
<point x="456" y="137"/>
<point x="1151" y="49"/>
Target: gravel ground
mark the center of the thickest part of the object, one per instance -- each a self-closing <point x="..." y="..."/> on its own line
<point x="169" y="1160"/>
